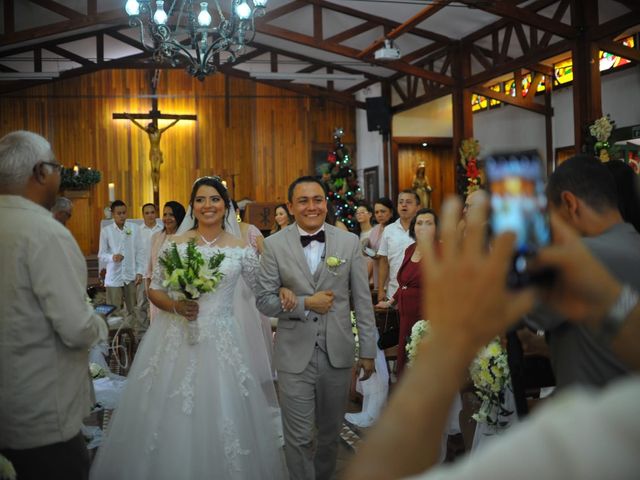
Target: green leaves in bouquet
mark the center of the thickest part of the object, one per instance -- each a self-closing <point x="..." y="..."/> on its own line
<point x="170" y="259"/>
<point x="216" y="260"/>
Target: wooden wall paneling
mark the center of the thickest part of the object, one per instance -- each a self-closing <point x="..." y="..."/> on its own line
<point x="267" y="140"/>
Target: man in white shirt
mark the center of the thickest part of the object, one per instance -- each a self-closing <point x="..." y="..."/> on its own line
<point x="122" y="252"/>
<point x="150" y="226"/>
<point x="395" y="239"/>
<point x="46" y="326"/>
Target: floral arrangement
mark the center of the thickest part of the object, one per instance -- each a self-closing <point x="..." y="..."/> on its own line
<point x="420" y="330"/>
<point x="601" y="130"/>
<point x="78" y="179"/>
<point x="490" y="375"/>
<point x="469" y="151"/>
<point x="354" y="330"/>
<point x="97" y="371"/>
<point x="190" y="276"/>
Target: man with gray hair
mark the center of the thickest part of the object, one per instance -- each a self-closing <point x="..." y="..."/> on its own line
<point x="62" y="210"/>
<point x="46" y="326"/>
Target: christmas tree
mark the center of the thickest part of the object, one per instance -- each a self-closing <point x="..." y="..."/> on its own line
<point x="341" y="181"/>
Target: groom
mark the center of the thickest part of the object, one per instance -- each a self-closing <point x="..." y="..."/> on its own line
<point x="314" y="349"/>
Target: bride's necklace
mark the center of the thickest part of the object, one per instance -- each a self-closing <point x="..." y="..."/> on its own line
<point x="207" y="242"/>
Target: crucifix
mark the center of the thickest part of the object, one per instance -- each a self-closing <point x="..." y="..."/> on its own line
<point x="154" y="132"/>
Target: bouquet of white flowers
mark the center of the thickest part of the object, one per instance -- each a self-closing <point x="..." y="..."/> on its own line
<point x="601" y="129"/>
<point x="490" y="374"/>
<point x="420" y="329"/>
<point x="190" y="275"/>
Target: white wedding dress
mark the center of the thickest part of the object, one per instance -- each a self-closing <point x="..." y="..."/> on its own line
<point x="204" y="410"/>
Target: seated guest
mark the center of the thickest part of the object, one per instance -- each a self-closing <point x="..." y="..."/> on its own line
<point x="580" y="434"/>
<point x="62" y="210"/>
<point x="46" y="326"/>
<point x="423" y="230"/>
<point x="582" y="191"/>
<point x="282" y="218"/>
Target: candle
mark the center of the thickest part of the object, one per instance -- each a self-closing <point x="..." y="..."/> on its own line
<point x="112" y="192"/>
<point x="76" y="170"/>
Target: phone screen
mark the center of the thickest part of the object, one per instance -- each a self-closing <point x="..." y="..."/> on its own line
<point x="104" y="309"/>
<point x="519" y="205"/>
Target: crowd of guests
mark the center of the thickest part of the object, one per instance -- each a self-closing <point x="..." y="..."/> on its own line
<point x="420" y="262"/>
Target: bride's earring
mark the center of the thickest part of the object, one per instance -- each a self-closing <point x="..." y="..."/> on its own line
<point x="238" y="217"/>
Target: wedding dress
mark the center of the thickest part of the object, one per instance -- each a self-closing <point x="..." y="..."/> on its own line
<point x="203" y="410"/>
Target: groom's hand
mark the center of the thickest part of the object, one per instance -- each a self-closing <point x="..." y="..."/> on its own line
<point x="319" y="302"/>
<point x="367" y="366"/>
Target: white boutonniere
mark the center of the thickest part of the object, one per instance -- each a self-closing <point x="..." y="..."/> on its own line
<point x="127" y="231"/>
<point x="333" y="263"/>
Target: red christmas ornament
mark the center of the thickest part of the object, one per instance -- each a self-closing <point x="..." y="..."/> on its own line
<point x="331" y="158"/>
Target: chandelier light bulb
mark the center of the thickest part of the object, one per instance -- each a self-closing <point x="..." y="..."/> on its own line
<point x="204" y="17"/>
<point x="132" y="7"/>
<point x="260" y="3"/>
<point x="243" y="10"/>
<point x="160" y="17"/>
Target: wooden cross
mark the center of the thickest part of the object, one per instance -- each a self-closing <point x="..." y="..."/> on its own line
<point x="154" y="132"/>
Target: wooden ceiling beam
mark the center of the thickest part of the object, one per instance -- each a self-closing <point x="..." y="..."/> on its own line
<point x="70" y="56"/>
<point x="508" y="99"/>
<point x="418" y="18"/>
<point x="498" y="24"/>
<point x="615" y="26"/>
<point x="352" y="53"/>
<point x="390" y="24"/>
<point x="508" y="11"/>
<point x="430" y="96"/>
<point x="559" y="13"/>
<point x="111" y="16"/>
<point x="526" y="61"/>
<point x="359" y="86"/>
<point x="58" y="8"/>
<point x="272" y="14"/>
<point x="620" y="50"/>
<point x="537" y="67"/>
<point x="421" y="52"/>
<point x="9" y="17"/>
<point x="351" y="32"/>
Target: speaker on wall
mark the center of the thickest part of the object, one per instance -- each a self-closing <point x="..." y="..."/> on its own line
<point x="378" y="115"/>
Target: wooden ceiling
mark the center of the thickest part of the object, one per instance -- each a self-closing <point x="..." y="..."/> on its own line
<point x="496" y="37"/>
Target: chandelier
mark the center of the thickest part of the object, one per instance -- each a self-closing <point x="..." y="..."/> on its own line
<point x="185" y="32"/>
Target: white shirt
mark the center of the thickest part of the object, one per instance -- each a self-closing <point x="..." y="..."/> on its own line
<point x="314" y="251"/>
<point x="46" y="328"/>
<point x="395" y="240"/>
<point x="145" y="239"/>
<point x="125" y="242"/>
<point x="580" y="434"/>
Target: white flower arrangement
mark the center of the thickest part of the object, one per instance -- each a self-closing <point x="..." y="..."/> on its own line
<point x="490" y="375"/>
<point x="420" y="330"/>
<point x="190" y="276"/>
<point x="7" y="472"/>
<point x="601" y="129"/>
<point x="97" y="371"/>
<point x="127" y="231"/>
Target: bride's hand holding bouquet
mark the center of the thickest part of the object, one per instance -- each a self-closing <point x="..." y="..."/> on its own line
<point x="190" y="276"/>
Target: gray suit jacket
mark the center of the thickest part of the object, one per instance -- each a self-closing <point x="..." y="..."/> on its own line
<point x="283" y="264"/>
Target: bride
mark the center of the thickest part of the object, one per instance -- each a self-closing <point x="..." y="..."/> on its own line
<point x="204" y="408"/>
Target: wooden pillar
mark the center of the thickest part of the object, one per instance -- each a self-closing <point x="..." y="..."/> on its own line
<point x="587" y="91"/>
<point x="390" y="175"/>
<point x="548" y="125"/>
<point x="462" y="113"/>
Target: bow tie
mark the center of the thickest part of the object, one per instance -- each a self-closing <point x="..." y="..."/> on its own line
<point x="307" y="239"/>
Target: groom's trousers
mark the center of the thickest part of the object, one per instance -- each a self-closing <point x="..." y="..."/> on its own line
<point x="315" y="399"/>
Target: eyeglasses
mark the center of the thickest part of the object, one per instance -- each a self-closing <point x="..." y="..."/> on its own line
<point x="57" y="167"/>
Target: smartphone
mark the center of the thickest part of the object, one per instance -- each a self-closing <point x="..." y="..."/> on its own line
<point x="104" y="309"/>
<point x="519" y="204"/>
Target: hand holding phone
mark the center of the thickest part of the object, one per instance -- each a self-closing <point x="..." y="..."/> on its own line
<point x="519" y="205"/>
<point x="369" y="252"/>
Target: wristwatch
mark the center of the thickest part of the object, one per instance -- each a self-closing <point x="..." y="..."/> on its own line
<point x="618" y="313"/>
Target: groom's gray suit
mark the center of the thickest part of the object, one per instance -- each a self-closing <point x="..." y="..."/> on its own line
<point x="314" y="353"/>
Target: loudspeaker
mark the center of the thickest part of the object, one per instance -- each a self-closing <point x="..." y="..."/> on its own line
<point x="378" y="115"/>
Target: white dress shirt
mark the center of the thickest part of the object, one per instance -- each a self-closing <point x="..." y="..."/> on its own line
<point x="314" y="251"/>
<point x="395" y="240"/>
<point x="145" y="238"/>
<point x="46" y="328"/>
<point x="125" y="242"/>
<point x="580" y="434"/>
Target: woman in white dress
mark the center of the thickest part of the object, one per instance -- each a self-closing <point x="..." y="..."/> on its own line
<point x="204" y="408"/>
